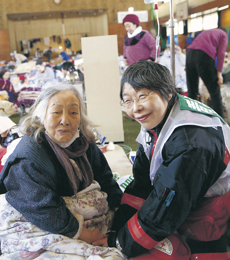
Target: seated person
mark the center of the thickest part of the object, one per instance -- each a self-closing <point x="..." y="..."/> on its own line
<point x="38" y="53"/>
<point x="181" y="173"/>
<point x="56" y="162"/>
<point x="68" y="67"/>
<point x="5" y="84"/>
<point x="9" y="131"/>
<point x="20" y="58"/>
<point x="44" y="76"/>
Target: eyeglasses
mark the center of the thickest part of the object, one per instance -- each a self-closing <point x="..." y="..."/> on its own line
<point x="128" y="103"/>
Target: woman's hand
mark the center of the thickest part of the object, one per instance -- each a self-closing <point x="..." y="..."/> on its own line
<point x="91" y="236"/>
<point x="101" y="242"/>
<point x="220" y="78"/>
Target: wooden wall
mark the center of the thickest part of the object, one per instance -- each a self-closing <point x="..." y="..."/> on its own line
<point x="225" y="17"/>
<point x="4" y="45"/>
<point x="27" y="6"/>
<point x="98" y="26"/>
<point x="75" y="28"/>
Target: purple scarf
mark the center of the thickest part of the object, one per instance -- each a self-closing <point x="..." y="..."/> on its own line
<point x="75" y="162"/>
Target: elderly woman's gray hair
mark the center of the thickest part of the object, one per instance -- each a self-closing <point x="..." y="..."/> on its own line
<point x="32" y="124"/>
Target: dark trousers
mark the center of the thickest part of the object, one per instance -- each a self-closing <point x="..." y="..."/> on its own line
<point x="200" y="64"/>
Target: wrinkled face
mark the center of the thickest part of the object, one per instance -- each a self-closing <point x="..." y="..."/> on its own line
<point x="150" y="113"/>
<point x="62" y="116"/>
<point x="6" y="75"/>
<point x="130" y="27"/>
<point x="40" y="68"/>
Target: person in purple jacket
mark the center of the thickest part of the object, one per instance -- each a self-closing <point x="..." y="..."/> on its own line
<point x="138" y="44"/>
<point x="200" y="62"/>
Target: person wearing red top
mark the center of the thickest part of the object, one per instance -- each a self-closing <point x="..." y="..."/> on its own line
<point x="200" y="62"/>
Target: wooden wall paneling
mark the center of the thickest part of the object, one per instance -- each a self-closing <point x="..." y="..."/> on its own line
<point x="99" y="25"/>
<point x="75" y="28"/>
<point x="112" y="7"/>
<point x="12" y="35"/>
<point x="119" y="30"/>
<point x="71" y="33"/>
<point x="4" y="45"/>
<point x="182" y="41"/>
<point x="225" y="17"/>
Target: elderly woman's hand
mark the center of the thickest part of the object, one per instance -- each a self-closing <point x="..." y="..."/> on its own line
<point x="101" y="242"/>
<point x="91" y="236"/>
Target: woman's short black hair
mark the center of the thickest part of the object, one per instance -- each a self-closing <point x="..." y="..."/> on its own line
<point x="152" y="76"/>
<point x="68" y="66"/>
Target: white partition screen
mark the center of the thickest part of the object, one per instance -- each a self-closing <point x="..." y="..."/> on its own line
<point x="102" y="84"/>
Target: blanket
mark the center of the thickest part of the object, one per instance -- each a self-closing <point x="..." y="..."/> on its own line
<point x="21" y="239"/>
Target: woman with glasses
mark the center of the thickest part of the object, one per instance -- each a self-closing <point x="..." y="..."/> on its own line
<point x="181" y="173"/>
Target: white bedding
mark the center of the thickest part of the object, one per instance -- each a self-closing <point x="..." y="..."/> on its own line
<point x="21" y="239"/>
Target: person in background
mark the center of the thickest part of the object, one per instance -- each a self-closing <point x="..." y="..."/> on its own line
<point x="20" y="58"/>
<point x="67" y="45"/>
<point x="180" y="59"/>
<point x="44" y="75"/>
<point x="5" y="84"/>
<point x="200" y="62"/>
<point x="38" y="53"/>
<point x="69" y="67"/>
<point x="64" y="56"/>
<point x="9" y="131"/>
<point x="138" y="44"/>
<point x="226" y="70"/>
<point x="181" y="173"/>
<point x="56" y="158"/>
<point x="48" y="54"/>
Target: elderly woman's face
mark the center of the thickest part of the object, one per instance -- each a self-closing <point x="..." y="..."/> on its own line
<point x="130" y="27"/>
<point x="62" y="116"/>
<point x="149" y="113"/>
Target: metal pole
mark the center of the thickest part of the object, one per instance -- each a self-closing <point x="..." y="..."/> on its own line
<point x="172" y="44"/>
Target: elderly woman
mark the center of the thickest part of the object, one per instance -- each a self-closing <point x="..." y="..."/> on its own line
<point x="56" y="159"/>
<point x="138" y="44"/>
<point x="181" y="173"/>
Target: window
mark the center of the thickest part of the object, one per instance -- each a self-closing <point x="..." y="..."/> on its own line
<point x="203" y="21"/>
<point x="210" y="21"/>
<point x="195" y="24"/>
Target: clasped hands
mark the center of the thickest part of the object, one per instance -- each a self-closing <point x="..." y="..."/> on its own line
<point x="94" y="237"/>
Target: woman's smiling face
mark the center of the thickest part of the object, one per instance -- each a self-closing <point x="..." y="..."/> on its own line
<point x="62" y="116"/>
<point x="150" y="113"/>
